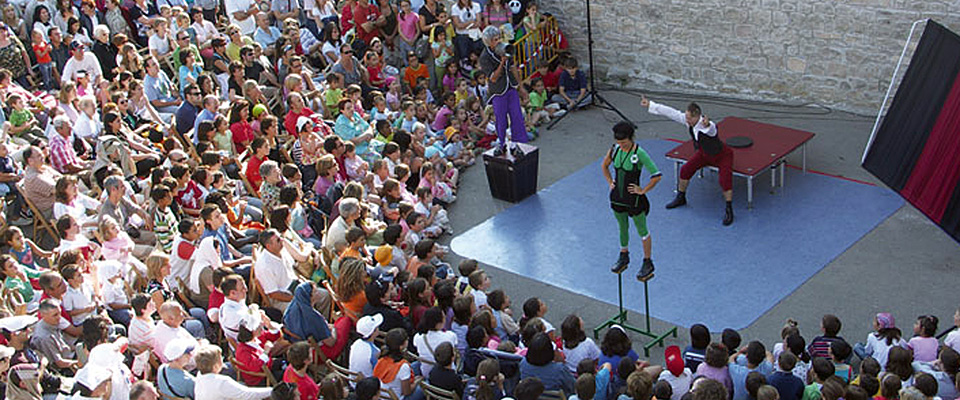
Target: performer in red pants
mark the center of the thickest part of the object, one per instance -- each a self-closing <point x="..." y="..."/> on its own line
<point x="710" y="151"/>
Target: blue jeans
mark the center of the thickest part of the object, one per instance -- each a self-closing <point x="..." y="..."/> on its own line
<point x="46" y="71"/>
<point x="199" y="325"/>
<point x="120" y="316"/>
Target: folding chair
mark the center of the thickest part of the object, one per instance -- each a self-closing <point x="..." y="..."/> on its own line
<point x="553" y="395"/>
<point x="344" y="373"/>
<point x="434" y="393"/>
<point x="263" y="373"/>
<point x="39" y="221"/>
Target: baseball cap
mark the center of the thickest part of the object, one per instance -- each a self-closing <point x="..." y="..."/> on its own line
<point x="368" y="324"/>
<point x="6" y="352"/>
<point x="177" y="348"/>
<point x="18" y="323"/>
<point x="383" y="255"/>
<point x="92" y="376"/>
<point x="301" y="121"/>
<point x="674" y="360"/>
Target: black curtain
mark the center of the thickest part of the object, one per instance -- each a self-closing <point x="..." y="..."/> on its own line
<point x="915" y="108"/>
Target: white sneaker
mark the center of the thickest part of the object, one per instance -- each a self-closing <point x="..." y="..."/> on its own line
<point x="559" y="113"/>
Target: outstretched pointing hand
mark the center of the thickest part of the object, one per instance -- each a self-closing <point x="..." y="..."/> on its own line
<point x="643" y="101"/>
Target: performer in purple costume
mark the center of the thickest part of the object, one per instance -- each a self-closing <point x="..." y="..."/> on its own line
<point x="503" y="79"/>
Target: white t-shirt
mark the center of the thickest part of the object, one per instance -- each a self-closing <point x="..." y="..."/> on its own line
<point x="435" y="338"/>
<point x="468" y="14"/>
<point x="275" y="274"/>
<point x="114" y="293"/>
<point x="360" y="357"/>
<point x="75" y="299"/>
<point x="159" y="44"/>
<point x="679" y="384"/>
<point x="952" y="340"/>
<point x="479" y="297"/>
<point x="587" y="349"/>
<point x="247" y="26"/>
<point x="397" y="384"/>
<point x="328" y="47"/>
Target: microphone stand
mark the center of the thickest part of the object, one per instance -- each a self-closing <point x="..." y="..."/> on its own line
<point x="596" y="99"/>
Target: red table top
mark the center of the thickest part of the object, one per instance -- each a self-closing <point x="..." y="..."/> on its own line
<point x="770" y="143"/>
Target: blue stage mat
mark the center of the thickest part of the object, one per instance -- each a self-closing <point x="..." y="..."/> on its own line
<point x="724" y="277"/>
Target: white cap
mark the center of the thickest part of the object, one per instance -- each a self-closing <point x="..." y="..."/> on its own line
<point x="301" y="121"/>
<point x="6" y="352"/>
<point x="18" y="323"/>
<point x="177" y="348"/>
<point x="91" y="376"/>
<point x="368" y="324"/>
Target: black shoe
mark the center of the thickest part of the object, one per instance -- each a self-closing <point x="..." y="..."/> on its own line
<point x="680" y="200"/>
<point x="516" y="152"/>
<point x="499" y="151"/>
<point x="728" y="216"/>
<point x="646" y="269"/>
<point x="622" y="262"/>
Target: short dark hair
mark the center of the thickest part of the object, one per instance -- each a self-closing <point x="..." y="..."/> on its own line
<point x="694" y="109"/>
<point x="298" y="354"/>
<point x="495" y="299"/>
<point x="710" y="389"/>
<point x="823" y="368"/>
<point x="423" y="247"/>
<point x="831" y="325"/>
<point x="230" y="283"/>
<point x="869" y="383"/>
<point x="392" y="234"/>
<point x="368" y="388"/>
<point x="444" y="354"/>
<point x="923" y="381"/>
<point x="528" y="389"/>
<point x="731" y="338"/>
<point x="139" y="303"/>
<point x="753" y="382"/>
<point x="623" y="130"/>
<point x="466" y="266"/>
<point x="787" y="361"/>
<point x="185" y="225"/>
<point x="699" y="336"/>
<point x="840" y="349"/>
<point x="756" y="352"/>
<point x="662" y="390"/>
<point x="586" y="386"/>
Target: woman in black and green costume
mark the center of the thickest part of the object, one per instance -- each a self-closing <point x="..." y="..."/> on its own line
<point x="627" y="198"/>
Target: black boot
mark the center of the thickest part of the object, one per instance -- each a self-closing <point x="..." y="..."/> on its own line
<point x="645" y="270"/>
<point x="500" y="150"/>
<point x="516" y="152"/>
<point x="680" y="200"/>
<point x="622" y="262"/>
<point x="728" y="215"/>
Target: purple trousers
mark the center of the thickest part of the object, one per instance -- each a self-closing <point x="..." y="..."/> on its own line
<point x="509" y="103"/>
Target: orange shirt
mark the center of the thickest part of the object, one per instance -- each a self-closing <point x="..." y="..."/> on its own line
<point x="410" y="75"/>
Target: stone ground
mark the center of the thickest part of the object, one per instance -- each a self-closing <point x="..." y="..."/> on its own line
<point x="904" y="266"/>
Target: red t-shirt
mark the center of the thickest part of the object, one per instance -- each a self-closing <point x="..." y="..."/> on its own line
<point x="363" y="14"/>
<point x="290" y="120"/>
<point x="189" y="197"/>
<point x="307" y="387"/>
<point x="253" y="172"/>
<point x="242" y="134"/>
<point x="215" y="300"/>
<point x="185" y="250"/>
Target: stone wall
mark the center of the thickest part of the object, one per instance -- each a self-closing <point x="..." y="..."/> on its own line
<point x="835" y="53"/>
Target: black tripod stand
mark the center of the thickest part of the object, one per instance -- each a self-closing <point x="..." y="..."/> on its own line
<point x="596" y="99"/>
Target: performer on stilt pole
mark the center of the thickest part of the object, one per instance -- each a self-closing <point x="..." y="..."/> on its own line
<point x="627" y="198"/>
<point x="710" y="151"/>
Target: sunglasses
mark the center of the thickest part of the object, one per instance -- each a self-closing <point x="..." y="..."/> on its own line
<point x="194" y="93"/>
<point x="184" y="38"/>
<point x="348" y="52"/>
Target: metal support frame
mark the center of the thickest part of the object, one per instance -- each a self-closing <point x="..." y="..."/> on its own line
<point x="621" y="318"/>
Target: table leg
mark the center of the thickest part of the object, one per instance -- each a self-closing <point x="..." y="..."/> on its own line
<point x="803" y="149"/>
<point x="773" y="178"/>
<point x="749" y="192"/>
<point x="783" y="172"/>
<point x="676" y="175"/>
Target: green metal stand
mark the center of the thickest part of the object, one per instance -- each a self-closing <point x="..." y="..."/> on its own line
<point x="621" y="318"/>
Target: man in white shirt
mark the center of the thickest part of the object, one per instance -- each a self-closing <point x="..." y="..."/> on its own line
<point x="81" y="60"/>
<point x="243" y="13"/>
<point x="337" y="234"/>
<point x="234" y="309"/>
<point x="169" y="328"/>
<point x="711" y="151"/>
<point x="211" y="385"/>
<point x="274" y="271"/>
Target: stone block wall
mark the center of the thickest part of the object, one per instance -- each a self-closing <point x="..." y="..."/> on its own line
<point x="835" y="53"/>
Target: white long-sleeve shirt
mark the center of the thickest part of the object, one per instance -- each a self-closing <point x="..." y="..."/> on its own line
<point x="681" y="118"/>
<point x="221" y="387"/>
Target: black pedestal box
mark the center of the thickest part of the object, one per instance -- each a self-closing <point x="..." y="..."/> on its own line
<point x="512" y="179"/>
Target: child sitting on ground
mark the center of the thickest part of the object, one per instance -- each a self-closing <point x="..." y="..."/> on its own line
<point x="437" y="221"/>
<point x="923" y="343"/>
<point x="714" y="366"/>
<point x="820" y="346"/>
<point x="840" y="351"/>
<point x="676" y="374"/>
<point x="694" y="353"/>
<point x="466" y="267"/>
<point x="479" y="283"/>
<point x="538" y="108"/>
<point x="822" y="370"/>
<point x="788" y="386"/>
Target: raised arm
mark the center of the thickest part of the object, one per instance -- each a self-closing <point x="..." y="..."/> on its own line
<point x="666" y="111"/>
